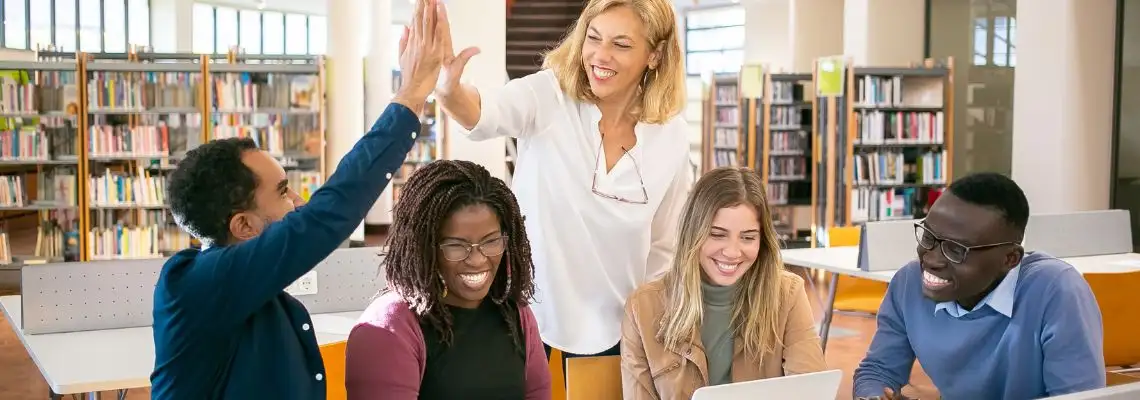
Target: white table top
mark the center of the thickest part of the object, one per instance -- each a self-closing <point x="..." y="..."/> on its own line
<point x="845" y="260"/>
<point x="113" y="359"/>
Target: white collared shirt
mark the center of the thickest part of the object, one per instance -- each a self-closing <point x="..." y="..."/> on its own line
<point x="590" y="252"/>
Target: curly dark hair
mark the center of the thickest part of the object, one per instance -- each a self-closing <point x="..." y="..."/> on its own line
<point x="411" y="265"/>
<point x="996" y="191"/>
<point x="209" y="186"/>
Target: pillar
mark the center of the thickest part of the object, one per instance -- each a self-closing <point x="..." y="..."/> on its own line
<point x="482" y="24"/>
<point x="884" y="33"/>
<point x="378" y="65"/>
<point x="344" y="80"/>
<point x="1062" y="111"/>
<point x="789" y="35"/>
<point x="172" y="26"/>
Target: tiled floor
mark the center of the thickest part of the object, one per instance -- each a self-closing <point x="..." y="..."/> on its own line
<point x="20" y="379"/>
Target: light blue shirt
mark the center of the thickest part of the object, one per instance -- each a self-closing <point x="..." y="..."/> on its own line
<point x="1000" y="299"/>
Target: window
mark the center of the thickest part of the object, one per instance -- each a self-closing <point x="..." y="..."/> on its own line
<point x="65" y="25"/>
<point x="203" y="29"/>
<point x="318" y="30"/>
<point x="714" y="40"/>
<point x="138" y="32"/>
<point x="296" y="34"/>
<point x="40" y="14"/>
<point x="115" y="26"/>
<point x="274" y="33"/>
<point x="226" y="25"/>
<point x="250" y="36"/>
<point x="71" y="25"/>
<point x="994" y="38"/>
<point x="257" y="32"/>
<point x="90" y="26"/>
<point x="15" y="24"/>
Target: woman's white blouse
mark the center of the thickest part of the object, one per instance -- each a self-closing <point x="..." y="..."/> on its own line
<point x="590" y="252"/>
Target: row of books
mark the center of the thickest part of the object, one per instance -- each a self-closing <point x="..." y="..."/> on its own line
<point x="882" y="204"/>
<point x="786" y="116"/>
<point x="727" y="116"/>
<point x="32" y="143"/>
<point x="900" y="127"/>
<point x="247" y="92"/>
<point x="116" y="189"/>
<point x="726" y="95"/>
<point x="899" y="168"/>
<point x="137" y="242"/>
<point x="304" y="182"/>
<point x="787" y="168"/>
<point x="786" y="92"/>
<point x="56" y="92"/>
<point x="725" y="158"/>
<point x="789" y="143"/>
<point x="128" y="141"/>
<point x="898" y="91"/>
<point x="724" y="138"/>
<point x="136" y="91"/>
<point x="277" y="134"/>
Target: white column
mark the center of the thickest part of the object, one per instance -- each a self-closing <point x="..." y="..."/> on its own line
<point x="378" y="88"/>
<point x="789" y="35"/>
<point x="172" y="26"/>
<point x="884" y="33"/>
<point x="1062" y="110"/>
<point x="482" y="24"/>
<point x="345" y="82"/>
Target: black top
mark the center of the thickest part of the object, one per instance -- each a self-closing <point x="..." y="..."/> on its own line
<point x="482" y="362"/>
<point x="223" y="326"/>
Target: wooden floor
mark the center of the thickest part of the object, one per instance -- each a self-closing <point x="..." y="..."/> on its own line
<point x="20" y="379"/>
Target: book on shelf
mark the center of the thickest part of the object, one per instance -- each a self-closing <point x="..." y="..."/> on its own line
<point x="49" y="92"/>
<point x="5" y="249"/>
<point x="304" y="182"/>
<point x="120" y="189"/>
<point x="244" y="92"/>
<point x="144" y="234"/>
<point x="128" y="141"/>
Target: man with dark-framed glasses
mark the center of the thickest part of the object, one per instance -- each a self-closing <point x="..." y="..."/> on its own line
<point x="986" y="319"/>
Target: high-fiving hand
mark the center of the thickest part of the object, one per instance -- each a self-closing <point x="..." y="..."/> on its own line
<point x="424" y="46"/>
<point x="453" y="64"/>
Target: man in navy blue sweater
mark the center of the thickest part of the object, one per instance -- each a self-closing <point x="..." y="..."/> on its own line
<point x="223" y="326"/>
<point x="985" y="319"/>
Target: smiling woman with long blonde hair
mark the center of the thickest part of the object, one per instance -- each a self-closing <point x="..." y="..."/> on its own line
<point x="726" y="311"/>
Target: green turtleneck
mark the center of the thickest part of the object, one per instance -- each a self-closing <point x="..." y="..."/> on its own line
<point x="716" y="331"/>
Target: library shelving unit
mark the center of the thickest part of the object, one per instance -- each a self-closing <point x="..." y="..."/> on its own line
<point x="721" y="135"/>
<point x="782" y="153"/>
<point x="431" y="143"/>
<point x="279" y="103"/>
<point x="40" y="161"/>
<point x="885" y="145"/>
<point x="138" y="120"/>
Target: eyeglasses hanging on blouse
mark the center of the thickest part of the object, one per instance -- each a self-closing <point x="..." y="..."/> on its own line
<point x="644" y="199"/>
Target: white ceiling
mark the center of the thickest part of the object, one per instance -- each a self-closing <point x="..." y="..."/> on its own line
<point x="401" y="9"/>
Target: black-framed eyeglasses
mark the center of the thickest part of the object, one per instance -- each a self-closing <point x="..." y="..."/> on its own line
<point x="644" y="199"/>
<point x="492" y="247"/>
<point x="954" y="251"/>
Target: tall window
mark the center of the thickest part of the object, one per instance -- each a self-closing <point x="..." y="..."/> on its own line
<point x="257" y="32"/>
<point x="714" y="40"/>
<point x="994" y="38"/>
<point x="71" y="25"/>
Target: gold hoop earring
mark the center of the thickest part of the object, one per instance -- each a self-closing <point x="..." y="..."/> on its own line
<point x="444" y="284"/>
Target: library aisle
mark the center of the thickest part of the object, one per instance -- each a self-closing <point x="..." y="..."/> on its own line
<point x="851" y="336"/>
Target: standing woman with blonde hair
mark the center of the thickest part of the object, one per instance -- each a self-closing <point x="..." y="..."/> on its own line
<point x="603" y="165"/>
<point x="726" y="311"/>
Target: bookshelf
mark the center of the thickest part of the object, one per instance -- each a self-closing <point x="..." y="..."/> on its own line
<point x="39" y="162"/>
<point x="782" y="153"/>
<point x="431" y="144"/>
<point x="885" y="145"/>
<point x="722" y="136"/>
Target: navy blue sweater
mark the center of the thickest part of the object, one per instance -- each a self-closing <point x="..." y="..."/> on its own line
<point x="223" y="326"/>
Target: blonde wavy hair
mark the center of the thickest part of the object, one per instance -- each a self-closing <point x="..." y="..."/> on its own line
<point x="662" y="95"/>
<point x="756" y="304"/>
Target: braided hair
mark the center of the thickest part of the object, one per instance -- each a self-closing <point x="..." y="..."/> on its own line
<point x="411" y="265"/>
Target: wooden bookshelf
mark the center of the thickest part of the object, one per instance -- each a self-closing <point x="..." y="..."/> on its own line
<point x="885" y="145"/>
<point x="783" y="153"/>
<point x="40" y="161"/>
<point x="723" y="138"/>
<point x="431" y="143"/>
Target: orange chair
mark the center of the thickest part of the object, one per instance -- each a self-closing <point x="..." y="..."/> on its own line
<point x="333" y="356"/>
<point x="851" y="293"/>
<point x="557" y="378"/>
<point x="1115" y="294"/>
<point x="593" y="378"/>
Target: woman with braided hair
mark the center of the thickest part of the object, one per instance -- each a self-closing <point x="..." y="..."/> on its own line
<point x="459" y="276"/>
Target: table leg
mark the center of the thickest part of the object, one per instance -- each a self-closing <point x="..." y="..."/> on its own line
<point x="93" y="396"/>
<point x="829" y="309"/>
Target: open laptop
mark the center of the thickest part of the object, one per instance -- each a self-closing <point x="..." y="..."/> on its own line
<point x="822" y="385"/>
<point x="1129" y="391"/>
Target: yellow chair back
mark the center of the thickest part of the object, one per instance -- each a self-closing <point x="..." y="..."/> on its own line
<point x="593" y="378"/>
<point x="854" y="294"/>
<point x="333" y="356"/>
<point x="1115" y="294"/>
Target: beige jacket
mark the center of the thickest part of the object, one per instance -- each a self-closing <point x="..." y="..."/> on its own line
<point x="649" y="371"/>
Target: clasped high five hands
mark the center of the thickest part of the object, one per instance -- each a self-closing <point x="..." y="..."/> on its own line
<point x="426" y="53"/>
